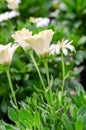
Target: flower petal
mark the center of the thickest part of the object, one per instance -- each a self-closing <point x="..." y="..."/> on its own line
<point x="37" y="43"/>
<point x="71" y="47"/>
<point x="47" y="36"/>
<point x="65" y="52"/>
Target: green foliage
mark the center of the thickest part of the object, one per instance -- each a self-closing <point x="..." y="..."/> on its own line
<point x="35" y="8"/>
<point x="37" y="113"/>
<point x="50" y="111"/>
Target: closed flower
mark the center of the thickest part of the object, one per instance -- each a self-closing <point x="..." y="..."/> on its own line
<point x="20" y="37"/>
<point x="41" y="42"/>
<point x="6" y="53"/>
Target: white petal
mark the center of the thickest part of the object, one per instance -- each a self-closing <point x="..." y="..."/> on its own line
<point x="37" y="43"/>
<point x="65" y="42"/>
<point x="57" y="50"/>
<point x="54" y="49"/>
<point x="71" y="47"/>
<point x="65" y="52"/>
<point x="52" y="52"/>
<point x="43" y="22"/>
<point x="47" y="36"/>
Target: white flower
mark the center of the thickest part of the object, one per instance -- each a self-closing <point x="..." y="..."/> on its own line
<point x="40" y="22"/>
<point x="40" y="42"/>
<point x="13" y="4"/>
<point x="54" y="49"/>
<point x="6" y="53"/>
<point x="8" y="15"/>
<point x="20" y="37"/>
<point x="64" y="46"/>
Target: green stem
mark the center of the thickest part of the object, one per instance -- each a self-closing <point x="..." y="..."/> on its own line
<point x="11" y="87"/>
<point x="38" y="71"/>
<point x="63" y="73"/>
<point x="47" y="71"/>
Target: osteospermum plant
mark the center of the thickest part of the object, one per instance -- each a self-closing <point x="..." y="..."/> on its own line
<point x="62" y="49"/>
<point x="40" y="44"/>
<point x="48" y="105"/>
<point x="6" y="56"/>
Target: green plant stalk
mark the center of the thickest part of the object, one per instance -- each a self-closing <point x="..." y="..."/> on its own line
<point x="45" y="62"/>
<point x="47" y="70"/>
<point x="63" y="73"/>
<point x="38" y="71"/>
<point x="11" y="87"/>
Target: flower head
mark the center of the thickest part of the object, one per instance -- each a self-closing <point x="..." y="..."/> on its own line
<point x="40" y="22"/>
<point x="20" y="37"/>
<point x="40" y="42"/>
<point x="13" y="4"/>
<point x="63" y="46"/>
<point x="8" y="15"/>
<point x="6" y="53"/>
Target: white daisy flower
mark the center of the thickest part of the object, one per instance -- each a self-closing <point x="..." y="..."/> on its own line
<point x="20" y="37"/>
<point x="8" y="15"/>
<point x="13" y="4"/>
<point x="6" y="53"/>
<point x="40" y="42"/>
<point x="64" y="46"/>
<point x="40" y="22"/>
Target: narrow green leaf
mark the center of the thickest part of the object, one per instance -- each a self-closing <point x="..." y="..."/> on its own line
<point x="37" y="119"/>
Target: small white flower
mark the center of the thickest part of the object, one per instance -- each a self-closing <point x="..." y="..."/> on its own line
<point x="40" y="42"/>
<point x="6" y="53"/>
<point x="40" y="22"/>
<point x="64" y="46"/>
<point x="8" y="15"/>
<point x="54" y="49"/>
<point x="20" y="37"/>
<point x="13" y="4"/>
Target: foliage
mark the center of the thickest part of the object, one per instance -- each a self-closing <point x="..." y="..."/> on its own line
<point x="37" y="111"/>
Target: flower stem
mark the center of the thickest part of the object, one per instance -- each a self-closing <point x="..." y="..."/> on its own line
<point x="47" y="71"/>
<point x="63" y="73"/>
<point x="38" y="71"/>
<point x="11" y="87"/>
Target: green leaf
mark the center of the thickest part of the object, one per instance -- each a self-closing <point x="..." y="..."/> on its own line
<point x="82" y="114"/>
<point x="79" y="124"/>
<point x="66" y="122"/>
<point x="13" y="114"/>
<point x="37" y="119"/>
<point x="84" y="122"/>
<point x="26" y="118"/>
<point x="82" y="111"/>
<point x="9" y="127"/>
<point x="73" y="111"/>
